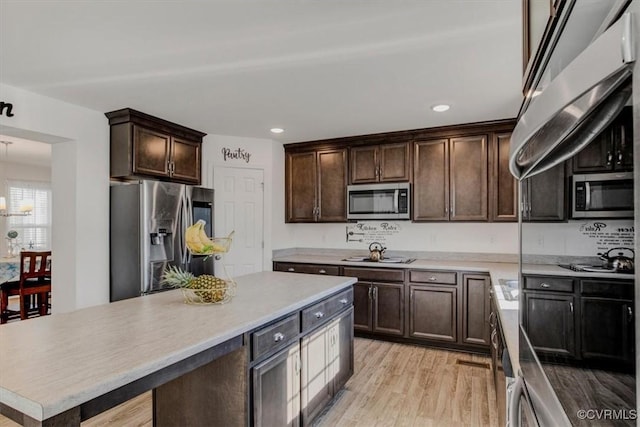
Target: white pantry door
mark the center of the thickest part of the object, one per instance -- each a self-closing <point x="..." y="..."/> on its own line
<point x="239" y="206"/>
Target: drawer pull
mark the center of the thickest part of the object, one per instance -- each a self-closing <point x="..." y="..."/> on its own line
<point x="544" y="285"/>
<point x="433" y="278"/>
<point x="319" y="315"/>
<point x="278" y="336"/>
<point x="291" y="269"/>
<point x="323" y="271"/>
<point x="343" y="301"/>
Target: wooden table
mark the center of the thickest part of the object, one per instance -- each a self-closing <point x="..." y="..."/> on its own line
<point x="67" y="367"/>
<point x="9" y="269"/>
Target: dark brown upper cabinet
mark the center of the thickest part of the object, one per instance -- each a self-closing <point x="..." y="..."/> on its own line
<point x="459" y="173"/>
<point x="431" y="180"/>
<point x="503" y="187"/>
<point x="380" y="163"/>
<point x="143" y="146"/>
<point x="316" y="183"/>
<point x="610" y="151"/>
<point x="544" y="196"/>
<point x="451" y="179"/>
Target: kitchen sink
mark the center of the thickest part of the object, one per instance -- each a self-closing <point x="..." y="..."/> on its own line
<point x="510" y="289"/>
<point x="390" y="260"/>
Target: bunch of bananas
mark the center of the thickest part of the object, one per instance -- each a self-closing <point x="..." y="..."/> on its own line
<point x="200" y="244"/>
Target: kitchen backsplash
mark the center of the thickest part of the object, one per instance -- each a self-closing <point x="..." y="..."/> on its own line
<point x="408" y="236"/>
<point x="577" y="238"/>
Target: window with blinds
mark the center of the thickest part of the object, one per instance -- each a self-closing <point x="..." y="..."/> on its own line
<point x="34" y="231"/>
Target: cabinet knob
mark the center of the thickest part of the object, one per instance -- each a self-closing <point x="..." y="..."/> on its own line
<point x="323" y="271"/>
<point x="344" y="301"/>
<point x="319" y="315"/>
<point x="544" y="285"/>
<point x="619" y="157"/>
<point x="571" y="306"/>
<point x="629" y="314"/>
<point x="609" y="158"/>
<point x="278" y="336"/>
<point x="291" y="269"/>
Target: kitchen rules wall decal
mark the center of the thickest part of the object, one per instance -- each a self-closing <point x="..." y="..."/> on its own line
<point x="608" y="236"/>
<point x="235" y="154"/>
<point x="6" y="108"/>
<point x="368" y="232"/>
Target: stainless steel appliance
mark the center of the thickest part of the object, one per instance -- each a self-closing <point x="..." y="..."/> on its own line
<point x="148" y="221"/>
<point x="602" y="195"/>
<point x="379" y="201"/>
<point x="588" y="78"/>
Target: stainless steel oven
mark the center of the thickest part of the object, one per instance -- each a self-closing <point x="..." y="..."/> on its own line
<point x="379" y="201"/>
<point x="588" y="79"/>
<point x="602" y="195"/>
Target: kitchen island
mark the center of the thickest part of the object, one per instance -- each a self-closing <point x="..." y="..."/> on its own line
<point x="65" y="368"/>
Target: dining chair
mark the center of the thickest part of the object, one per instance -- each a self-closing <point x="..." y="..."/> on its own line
<point x="35" y="280"/>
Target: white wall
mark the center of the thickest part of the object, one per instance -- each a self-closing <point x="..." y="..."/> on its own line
<point x="19" y="172"/>
<point x="433" y="237"/>
<point x="577" y="238"/>
<point x="80" y="186"/>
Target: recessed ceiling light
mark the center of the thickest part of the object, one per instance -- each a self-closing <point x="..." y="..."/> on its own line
<point x="440" y="108"/>
<point x="277" y="130"/>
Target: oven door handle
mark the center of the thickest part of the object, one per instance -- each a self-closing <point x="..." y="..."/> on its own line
<point x="513" y="406"/>
<point x="587" y="191"/>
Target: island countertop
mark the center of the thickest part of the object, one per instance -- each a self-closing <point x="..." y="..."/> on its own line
<point x="53" y="363"/>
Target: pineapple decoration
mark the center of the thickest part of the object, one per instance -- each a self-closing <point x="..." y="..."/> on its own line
<point x="203" y="289"/>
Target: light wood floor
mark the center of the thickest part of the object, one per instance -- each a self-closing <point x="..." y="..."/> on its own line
<point x="393" y="385"/>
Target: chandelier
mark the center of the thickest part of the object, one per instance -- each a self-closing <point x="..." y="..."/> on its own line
<point x="26" y="206"/>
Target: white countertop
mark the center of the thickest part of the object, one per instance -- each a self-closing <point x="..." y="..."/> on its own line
<point x="54" y="363"/>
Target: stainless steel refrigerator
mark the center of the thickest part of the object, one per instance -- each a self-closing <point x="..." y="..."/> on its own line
<point x="147" y="226"/>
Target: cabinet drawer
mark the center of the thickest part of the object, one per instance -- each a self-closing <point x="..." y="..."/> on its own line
<point x="374" y="274"/>
<point x="324" y="310"/>
<point x="274" y="337"/>
<point x="331" y="270"/>
<point x="546" y="283"/>
<point x="431" y="276"/>
<point x="607" y="288"/>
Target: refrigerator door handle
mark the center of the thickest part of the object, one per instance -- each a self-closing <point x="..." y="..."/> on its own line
<point x="513" y="406"/>
<point x="185" y="221"/>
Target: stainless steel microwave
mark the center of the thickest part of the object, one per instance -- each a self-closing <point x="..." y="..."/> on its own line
<point x="379" y="201"/>
<point x="603" y="195"/>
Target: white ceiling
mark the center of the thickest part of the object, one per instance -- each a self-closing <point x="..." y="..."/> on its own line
<point x="318" y="68"/>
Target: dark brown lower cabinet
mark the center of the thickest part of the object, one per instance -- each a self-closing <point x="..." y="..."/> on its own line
<point x="607" y="327"/>
<point x="276" y="389"/>
<point x="379" y="307"/>
<point x="362" y="307"/>
<point x="475" y="309"/>
<point x="433" y="312"/>
<point x="327" y="364"/>
<point x="588" y="321"/>
<point x="550" y="323"/>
